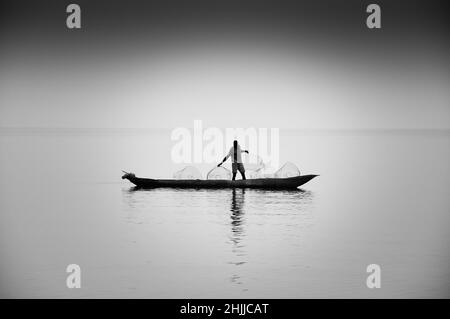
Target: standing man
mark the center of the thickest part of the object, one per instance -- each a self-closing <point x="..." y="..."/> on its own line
<point x="235" y="153"/>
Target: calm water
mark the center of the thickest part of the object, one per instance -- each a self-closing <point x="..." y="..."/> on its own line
<point x="380" y="198"/>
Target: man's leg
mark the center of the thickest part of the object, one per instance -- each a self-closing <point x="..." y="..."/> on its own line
<point x="234" y="176"/>
<point x="242" y="170"/>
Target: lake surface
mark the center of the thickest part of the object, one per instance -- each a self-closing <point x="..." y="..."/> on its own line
<point x="382" y="197"/>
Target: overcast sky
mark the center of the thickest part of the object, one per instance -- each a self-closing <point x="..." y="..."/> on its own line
<point x="263" y="64"/>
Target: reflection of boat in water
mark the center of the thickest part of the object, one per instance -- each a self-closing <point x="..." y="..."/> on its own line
<point x="248" y="225"/>
<point x="266" y="183"/>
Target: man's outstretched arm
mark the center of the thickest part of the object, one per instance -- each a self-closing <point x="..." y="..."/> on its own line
<point x="224" y="159"/>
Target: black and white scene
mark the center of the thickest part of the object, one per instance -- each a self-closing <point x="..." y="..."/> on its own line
<point x="224" y="149"/>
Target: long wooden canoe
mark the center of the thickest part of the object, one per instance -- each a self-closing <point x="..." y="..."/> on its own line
<point x="267" y="183"/>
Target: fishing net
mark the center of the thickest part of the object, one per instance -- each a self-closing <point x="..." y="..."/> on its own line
<point x="188" y="172"/>
<point x="254" y="166"/>
<point x="287" y="170"/>
<point x="219" y="173"/>
<point x="251" y="174"/>
<point x="254" y="163"/>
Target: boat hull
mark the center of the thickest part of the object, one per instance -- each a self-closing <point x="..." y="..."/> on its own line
<point x="265" y="183"/>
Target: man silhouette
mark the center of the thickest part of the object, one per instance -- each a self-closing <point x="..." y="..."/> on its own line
<point x="236" y="159"/>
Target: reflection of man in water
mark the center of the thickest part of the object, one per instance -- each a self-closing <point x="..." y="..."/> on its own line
<point x="237" y="234"/>
<point x="235" y="153"/>
<point x="237" y="202"/>
<point x="237" y="216"/>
